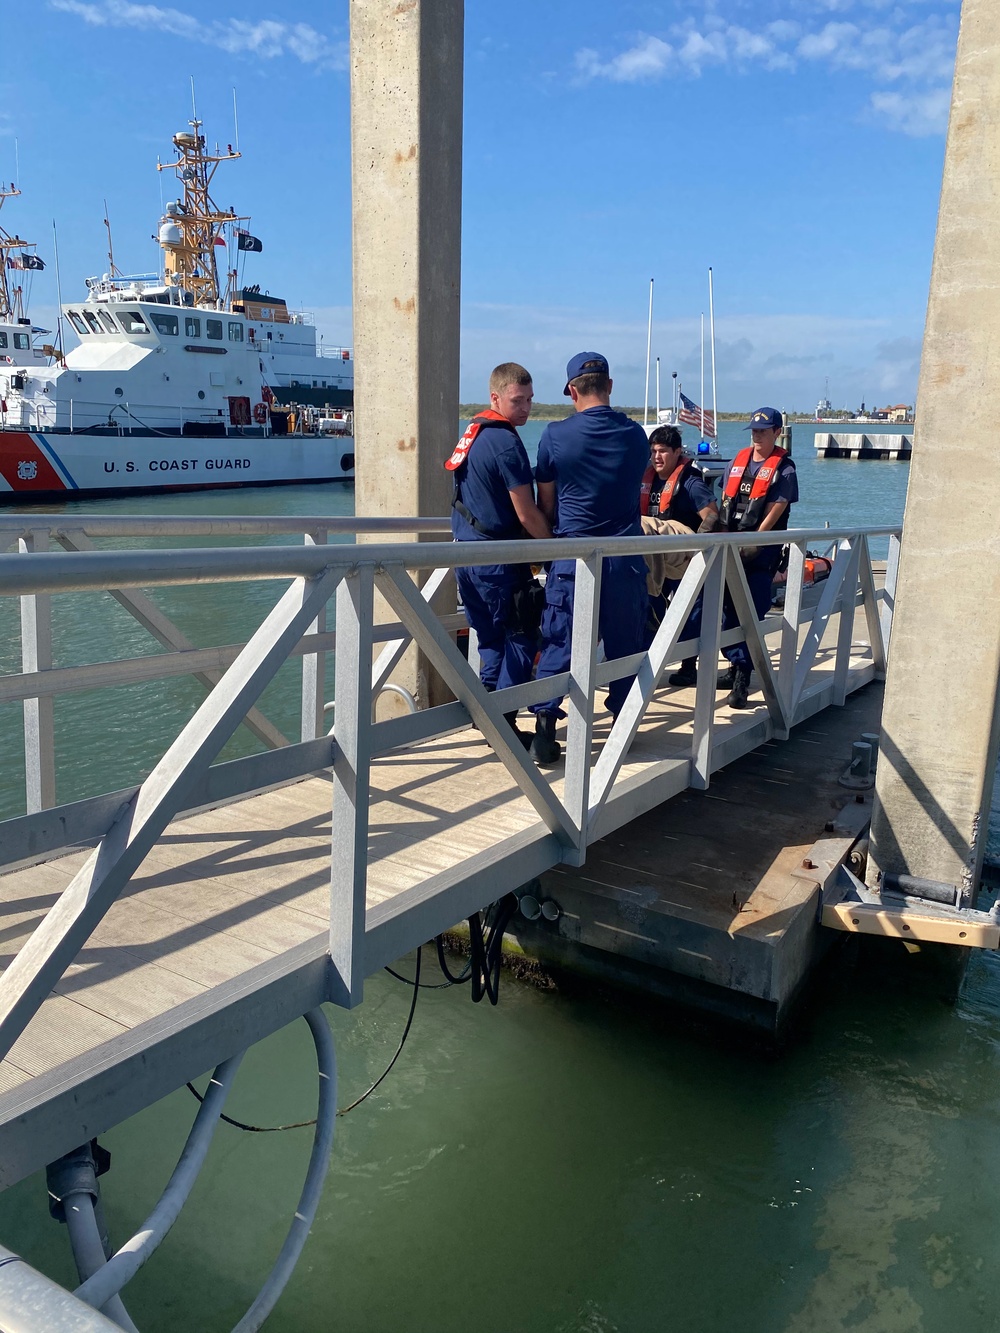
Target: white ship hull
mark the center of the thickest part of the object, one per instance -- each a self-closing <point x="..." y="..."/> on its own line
<point x="52" y="465"/>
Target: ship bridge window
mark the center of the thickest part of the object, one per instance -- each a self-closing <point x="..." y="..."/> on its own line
<point x="91" y="319"/>
<point x="22" y="341"/>
<point x="192" y="327"/>
<point x="3" y="340"/>
<point x="164" y="323"/>
<point x="132" y="322"/>
<point x="235" y="331"/>
<point x="107" y="321"/>
<point x="213" y="329"/>
<point x="77" y="322"/>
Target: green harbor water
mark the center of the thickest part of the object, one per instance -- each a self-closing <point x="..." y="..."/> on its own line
<point x="569" y="1162"/>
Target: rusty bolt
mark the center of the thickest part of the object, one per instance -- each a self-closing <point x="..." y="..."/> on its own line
<point x="808" y="864"/>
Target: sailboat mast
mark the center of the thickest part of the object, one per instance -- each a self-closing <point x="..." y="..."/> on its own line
<point x="657" y="388"/>
<point x="649" y="345"/>
<point x="60" y="343"/>
<point x="711" y="321"/>
<point x="701" y="400"/>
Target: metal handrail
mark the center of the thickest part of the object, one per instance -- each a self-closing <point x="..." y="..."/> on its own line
<point x="13" y="526"/>
<point x="569" y="818"/>
<point x="53" y="571"/>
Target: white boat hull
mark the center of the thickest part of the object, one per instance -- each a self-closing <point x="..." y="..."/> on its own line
<point x="37" y="465"/>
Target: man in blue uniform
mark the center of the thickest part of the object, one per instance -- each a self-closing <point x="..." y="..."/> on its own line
<point x="494" y="499"/>
<point x="589" y="472"/>
<point x="759" y="487"/>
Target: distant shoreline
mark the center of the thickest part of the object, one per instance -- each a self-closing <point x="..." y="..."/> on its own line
<point x="557" y="411"/>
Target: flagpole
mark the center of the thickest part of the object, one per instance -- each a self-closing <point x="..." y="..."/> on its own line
<point x="701" y="400"/>
<point x="711" y="322"/>
<point x="649" y="346"/>
<point x="657" y="389"/>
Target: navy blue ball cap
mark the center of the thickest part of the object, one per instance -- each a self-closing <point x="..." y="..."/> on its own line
<point x="765" y="418"/>
<point x="585" y="363"/>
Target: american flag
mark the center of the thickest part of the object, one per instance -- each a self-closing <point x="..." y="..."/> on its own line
<point x="693" y="415"/>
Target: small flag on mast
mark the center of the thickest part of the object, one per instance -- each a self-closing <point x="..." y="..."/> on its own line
<point x="244" y="241"/>
<point x="693" y="415"/>
<point x="32" y="261"/>
<point x="219" y="240"/>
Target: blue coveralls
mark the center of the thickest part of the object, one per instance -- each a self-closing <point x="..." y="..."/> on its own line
<point x="596" y="459"/>
<point x="760" y="571"/>
<point x="496" y="464"/>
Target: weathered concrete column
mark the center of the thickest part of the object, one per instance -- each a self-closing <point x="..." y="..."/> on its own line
<point x="406" y="143"/>
<point x="939" y="729"/>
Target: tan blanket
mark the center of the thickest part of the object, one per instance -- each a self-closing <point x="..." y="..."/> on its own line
<point x="663" y="565"/>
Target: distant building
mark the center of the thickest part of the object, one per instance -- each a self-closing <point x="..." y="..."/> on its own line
<point x="899" y="414"/>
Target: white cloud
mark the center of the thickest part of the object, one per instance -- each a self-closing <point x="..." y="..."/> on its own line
<point x="782" y="357"/>
<point x="880" y="41"/>
<point x="266" y="39"/>
<point x="917" y="114"/>
<point x="648" y="59"/>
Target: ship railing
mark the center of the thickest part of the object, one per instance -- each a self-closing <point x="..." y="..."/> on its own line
<point x="170" y="418"/>
<point x="409" y="578"/>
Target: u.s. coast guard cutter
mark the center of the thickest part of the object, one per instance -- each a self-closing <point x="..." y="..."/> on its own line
<point x="181" y="380"/>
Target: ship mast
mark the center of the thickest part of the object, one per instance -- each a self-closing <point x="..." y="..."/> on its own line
<point x="189" y="231"/>
<point x="11" y="298"/>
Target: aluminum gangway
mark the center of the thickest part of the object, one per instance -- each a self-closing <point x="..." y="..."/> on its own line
<point x="154" y="931"/>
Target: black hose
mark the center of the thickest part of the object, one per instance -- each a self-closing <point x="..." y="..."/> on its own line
<point x="451" y="980"/>
<point x="487" y="948"/>
<point x="303" y="1124"/>
<point x="402" y="1041"/>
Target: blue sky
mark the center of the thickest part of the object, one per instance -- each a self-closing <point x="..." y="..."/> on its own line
<point x="794" y="145"/>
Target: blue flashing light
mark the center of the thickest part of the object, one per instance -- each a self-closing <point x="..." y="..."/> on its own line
<point x="704" y="447"/>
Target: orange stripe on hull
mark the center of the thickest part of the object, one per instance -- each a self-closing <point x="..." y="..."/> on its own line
<point x="24" y="466"/>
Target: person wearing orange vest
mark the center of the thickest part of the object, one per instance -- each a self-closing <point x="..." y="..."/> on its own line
<point x="759" y="488"/>
<point x="673" y="497"/>
<point x="672" y="486"/>
<point x="494" y="499"/>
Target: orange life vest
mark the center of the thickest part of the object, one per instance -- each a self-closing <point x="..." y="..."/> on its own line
<point x="752" y="492"/>
<point x="669" y="486"/>
<point x="461" y="451"/>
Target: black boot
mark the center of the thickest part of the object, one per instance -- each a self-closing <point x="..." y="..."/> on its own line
<point x="687" y="673"/>
<point x="741" y="688"/>
<point x="522" y="736"/>
<point x="726" y="678"/>
<point x="545" y="749"/>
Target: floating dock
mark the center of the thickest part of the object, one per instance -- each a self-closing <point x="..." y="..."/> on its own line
<point x="712" y="899"/>
<point x="830" y="445"/>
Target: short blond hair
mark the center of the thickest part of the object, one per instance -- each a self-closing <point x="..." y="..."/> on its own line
<point x="507" y="374"/>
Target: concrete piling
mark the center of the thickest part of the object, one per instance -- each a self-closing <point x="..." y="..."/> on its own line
<point x="406" y="150"/>
<point x="938" y="742"/>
